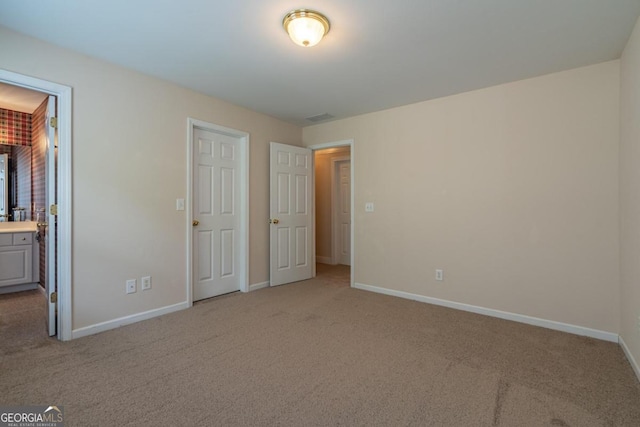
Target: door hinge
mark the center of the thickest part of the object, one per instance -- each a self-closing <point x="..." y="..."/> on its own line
<point x="54" y="297"/>
<point x="53" y="122"/>
<point x="53" y="210"/>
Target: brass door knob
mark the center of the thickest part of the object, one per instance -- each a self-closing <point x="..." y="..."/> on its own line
<point x="276" y="221"/>
<point x="195" y="222"/>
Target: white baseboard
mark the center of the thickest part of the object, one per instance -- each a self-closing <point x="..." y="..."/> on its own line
<point x="127" y="320"/>
<point x="535" y="321"/>
<point x="18" y="288"/>
<point x="630" y="358"/>
<point x="257" y="286"/>
<point x="324" y="260"/>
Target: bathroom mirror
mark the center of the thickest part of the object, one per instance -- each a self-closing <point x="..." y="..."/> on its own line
<point x="15" y="180"/>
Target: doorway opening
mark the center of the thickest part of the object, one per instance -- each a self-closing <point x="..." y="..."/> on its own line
<point x="332" y="167"/>
<point x="47" y="209"/>
<point x="333" y="208"/>
<point x="292" y="218"/>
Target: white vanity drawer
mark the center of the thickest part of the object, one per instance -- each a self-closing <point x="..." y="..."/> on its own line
<point x="6" y="239"/>
<point x="22" y="238"/>
<point x="16" y="259"/>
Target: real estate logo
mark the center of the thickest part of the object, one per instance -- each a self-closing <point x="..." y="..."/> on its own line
<point x="31" y="416"/>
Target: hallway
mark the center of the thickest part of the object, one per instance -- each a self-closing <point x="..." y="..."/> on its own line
<point x="334" y="275"/>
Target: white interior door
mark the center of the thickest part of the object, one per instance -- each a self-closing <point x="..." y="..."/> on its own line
<point x="291" y="235"/>
<point x="50" y="240"/>
<point x="343" y="212"/>
<point x="216" y="217"/>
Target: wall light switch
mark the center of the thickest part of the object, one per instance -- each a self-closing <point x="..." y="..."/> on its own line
<point x="179" y="204"/>
<point x="368" y="207"/>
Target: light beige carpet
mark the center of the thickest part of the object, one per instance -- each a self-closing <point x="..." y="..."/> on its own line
<point x="22" y="322"/>
<point x="320" y="353"/>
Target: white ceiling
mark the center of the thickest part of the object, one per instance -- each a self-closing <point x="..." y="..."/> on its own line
<point x="379" y="53"/>
<point x="19" y="99"/>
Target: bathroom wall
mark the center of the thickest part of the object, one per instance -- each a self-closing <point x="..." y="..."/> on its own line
<point x="38" y="150"/>
<point x="15" y="127"/>
<point x="19" y="130"/>
<point x="38" y="175"/>
<point x="15" y="140"/>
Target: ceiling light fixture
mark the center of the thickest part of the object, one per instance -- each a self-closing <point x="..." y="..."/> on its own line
<point x="306" y="27"/>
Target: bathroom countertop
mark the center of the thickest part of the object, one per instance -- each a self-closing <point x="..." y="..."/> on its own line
<point x="18" y="227"/>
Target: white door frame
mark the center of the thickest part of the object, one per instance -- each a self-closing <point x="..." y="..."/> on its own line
<point x="344" y="143"/>
<point x="243" y="189"/>
<point x="52" y="227"/>
<point x="335" y="201"/>
<point x="63" y="96"/>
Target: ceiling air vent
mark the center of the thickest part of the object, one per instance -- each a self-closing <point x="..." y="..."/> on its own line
<point x="320" y="117"/>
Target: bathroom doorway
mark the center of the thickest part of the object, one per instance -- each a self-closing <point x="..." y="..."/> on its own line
<point x="41" y="194"/>
<point x="25" y="144"/>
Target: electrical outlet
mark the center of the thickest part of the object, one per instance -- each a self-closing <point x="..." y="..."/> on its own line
<point x="131" y="286"/>
<point x="440" y="275"/>
<point x="146" y="283"/>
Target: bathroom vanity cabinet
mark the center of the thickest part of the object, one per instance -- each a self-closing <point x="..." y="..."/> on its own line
<point x="17" y="264"/>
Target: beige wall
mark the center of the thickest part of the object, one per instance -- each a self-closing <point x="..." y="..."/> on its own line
<point x="129" y="166"/>
<point x="630" y="194"/>
<point x="324" y="206"/>
<point x="512" y="190"/>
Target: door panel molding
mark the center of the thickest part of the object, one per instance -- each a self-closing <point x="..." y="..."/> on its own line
<point x="337" y="226"/>
<point x="242" y="187"/>
<point x="291" y="224"/>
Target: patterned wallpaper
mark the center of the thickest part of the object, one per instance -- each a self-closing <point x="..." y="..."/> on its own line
<point x="15" y="127"/>
<point x="38" y="150"/>
<point x="29" y="130"/>
<point x="38" y="175"/>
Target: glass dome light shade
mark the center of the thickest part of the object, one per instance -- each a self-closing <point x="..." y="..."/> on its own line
<point x="305" y="27"/>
